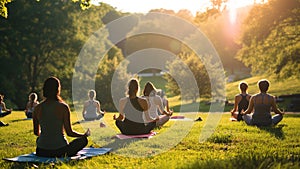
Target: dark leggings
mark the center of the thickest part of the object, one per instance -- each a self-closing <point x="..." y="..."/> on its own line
<point x="133" y="128"/>
<point x="69" y="150"/>
<point x="5" y="113"/>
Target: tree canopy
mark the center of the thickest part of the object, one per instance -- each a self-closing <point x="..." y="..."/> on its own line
<point x="270" y="39"/>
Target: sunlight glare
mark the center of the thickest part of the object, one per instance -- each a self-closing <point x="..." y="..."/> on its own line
<point x="232" y="11"/>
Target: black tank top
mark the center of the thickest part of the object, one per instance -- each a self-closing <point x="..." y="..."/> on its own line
<point x="243" y="104"/>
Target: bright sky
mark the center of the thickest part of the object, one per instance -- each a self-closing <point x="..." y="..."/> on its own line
<point x="143" y="6"/>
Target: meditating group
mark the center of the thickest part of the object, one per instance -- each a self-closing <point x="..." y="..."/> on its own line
<point x="51" y="117"/>
<point x="137" y="114"/>
<point x="262" y="103"/>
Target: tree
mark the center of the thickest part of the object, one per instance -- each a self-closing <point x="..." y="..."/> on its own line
<point x="36" y="44"/>
<point x="3" y="9"/>
<point x="84" y="4"/>
<point x="270" y="39"/>
<point x="179" y="67"/>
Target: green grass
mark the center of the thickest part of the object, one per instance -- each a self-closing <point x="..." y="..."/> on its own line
<point x="277" y="87"/>
<point x="158" y="81"/>
<point x="233" y="145"/>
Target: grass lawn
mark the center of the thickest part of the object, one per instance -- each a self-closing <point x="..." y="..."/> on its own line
<point x="233" y="145"/>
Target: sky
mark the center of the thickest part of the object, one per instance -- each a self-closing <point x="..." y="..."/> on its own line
<point x="143" y="6"/>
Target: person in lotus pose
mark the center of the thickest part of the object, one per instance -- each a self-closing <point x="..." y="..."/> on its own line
<point x="50" y="119"/>
<point x="241" y="102"/>
<point x="155" y="106"/>
<point x="131" y="109"/>
<point x="262" y="103"/>
<point x="91" y="109"/>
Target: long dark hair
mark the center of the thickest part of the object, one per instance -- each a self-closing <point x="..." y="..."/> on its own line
<point x="51" y="89"/>
<point x="149" y="89"/>
<point x="133" y="87"/>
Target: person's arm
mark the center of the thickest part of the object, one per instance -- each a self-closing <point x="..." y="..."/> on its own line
<point x="4" y="107"/>
<point x="83" y="109"/>
<point x="122" y="103"/>
<point x="167" y="105"/>
<point x="27" y="107"/>
<point x="274" y="107"/>
<point x="35" y="120"/>
<point x="250" y="107"/>
<point x="67" y="123"/>
<point x="99" y="108"/>
<point x="236" y="102"/>
<point x="160" y="105"/>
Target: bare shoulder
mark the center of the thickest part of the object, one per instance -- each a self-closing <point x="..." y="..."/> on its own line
<point x="143" y="101"/>
<point x="123" y="100"/>
<point x="63" y="106"/>
<point x="38" y="107"/>
<point x="238" y="96"/>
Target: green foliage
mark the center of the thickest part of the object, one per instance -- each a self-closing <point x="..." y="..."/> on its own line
<point x="107" y="69"/>
<point x="42" y="39"/>
<point x="3" y="8"/>
<point x="198" y="71"/>
<point x="271" y="39"/>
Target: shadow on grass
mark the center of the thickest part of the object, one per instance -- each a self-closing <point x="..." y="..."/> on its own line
<point x="17" y="120"/>
<point x="276" y="131"/>
<point x="119" y="144"/>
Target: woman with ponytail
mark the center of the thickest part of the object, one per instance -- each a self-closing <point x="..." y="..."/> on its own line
<point x="131" y="109"/>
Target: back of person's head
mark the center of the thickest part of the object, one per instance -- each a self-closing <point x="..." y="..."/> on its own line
<point x="263" y="85"/>
<point x="92" y="94"/>
<point x="33" y="97"/>
<point x="51" y="89"/>
<point x="149" y="89"/>
<point x="133" y="87"/>
<point x="243" y="86"/>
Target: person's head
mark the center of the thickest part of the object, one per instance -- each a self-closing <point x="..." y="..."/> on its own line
<point x="33" y="97"/>
<point x="51" y="89"/>
<point x="149" y="89"/>
<point x="133" y="87"/>
<point x="92" y="94"/>
<point x="243" y="86"/>
<point x="263" y="85"/>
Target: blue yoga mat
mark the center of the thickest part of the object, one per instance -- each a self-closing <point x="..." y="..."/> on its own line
<point x="82" y="154"/>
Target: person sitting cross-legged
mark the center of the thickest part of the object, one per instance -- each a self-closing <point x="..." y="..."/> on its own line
<point x="91" y="109"/>
<point x="262" y="103"/>
<point x="131" y="109"/>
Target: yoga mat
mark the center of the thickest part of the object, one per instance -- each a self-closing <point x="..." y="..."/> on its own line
<point x="123" y="136"/>
<point x="82" y="154"/>
<point x="177" y="117"/>
<point x="180" y="118"/>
